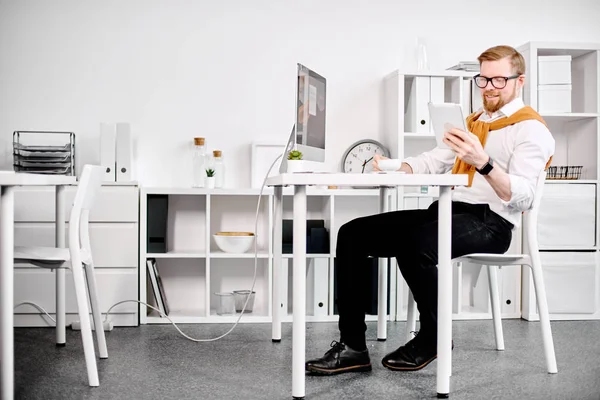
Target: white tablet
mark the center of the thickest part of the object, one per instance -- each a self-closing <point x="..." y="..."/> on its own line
<point x="445" y="116"/>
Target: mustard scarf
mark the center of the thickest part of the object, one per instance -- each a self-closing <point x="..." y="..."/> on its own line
<point x="481" y="130"/>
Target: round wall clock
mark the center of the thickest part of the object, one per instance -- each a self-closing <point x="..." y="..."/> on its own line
<point x="359" y="156"/>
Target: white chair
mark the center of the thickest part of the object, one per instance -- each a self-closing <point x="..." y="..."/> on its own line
<point x="532" y="259"/>
<point x="75" y="257"/>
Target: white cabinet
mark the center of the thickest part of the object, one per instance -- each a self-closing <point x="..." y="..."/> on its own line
<point x="114" y="238"/>
<point x="568" y="219"/>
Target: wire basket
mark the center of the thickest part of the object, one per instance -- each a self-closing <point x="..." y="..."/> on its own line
<point x="44" y="152"/>
<point x="564" y="172"/>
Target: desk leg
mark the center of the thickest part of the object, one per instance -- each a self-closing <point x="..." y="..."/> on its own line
<point x="444" y="344"/>
<point x="60" y="272"/>
<point x="277" y="222"/>
<point x="7" y="360"/>
<point x="299" y="293"/>
<point x="383" y="276"/>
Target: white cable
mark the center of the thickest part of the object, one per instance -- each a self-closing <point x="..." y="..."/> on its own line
<point x="40" y="308"/>
<point x="253" y="280"/>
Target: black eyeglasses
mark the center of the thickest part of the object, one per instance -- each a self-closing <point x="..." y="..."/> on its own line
<point x="499" y="82"/>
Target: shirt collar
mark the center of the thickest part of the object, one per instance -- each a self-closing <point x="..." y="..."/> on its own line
<point x="506" y="111"/>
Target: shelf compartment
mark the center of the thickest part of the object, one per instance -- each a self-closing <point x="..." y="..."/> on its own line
<point x="237" y="213"/>
<point x="227" y="275"/>
<point x="175" y="224"/>
<point x="184" y="283"/>
<point x="576" y="144"/>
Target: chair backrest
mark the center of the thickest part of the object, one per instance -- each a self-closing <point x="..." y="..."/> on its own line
<point x="87" y="189"/>
<point x="89" y="184"/>
<point x="531" y="216"/>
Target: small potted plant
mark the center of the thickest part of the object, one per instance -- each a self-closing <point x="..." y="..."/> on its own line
<point x="210" y="178"/>
<point x="294" y="161"/>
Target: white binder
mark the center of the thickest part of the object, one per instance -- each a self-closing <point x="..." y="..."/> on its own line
<point x="108" y="135"/>
<point x="124" y="150"/>
<point x="419" y="92"/>
<point x="416" y="114"/>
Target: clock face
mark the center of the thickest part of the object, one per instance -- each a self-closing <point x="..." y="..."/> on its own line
<point x="359" y="157"/>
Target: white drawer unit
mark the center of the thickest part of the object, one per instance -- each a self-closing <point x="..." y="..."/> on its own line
<point x="114" y="236"/>
<point x="567" y="217"/>
<point x="572" y="282"/>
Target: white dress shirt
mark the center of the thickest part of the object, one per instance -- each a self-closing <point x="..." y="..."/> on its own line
<point x="521" y="150"/>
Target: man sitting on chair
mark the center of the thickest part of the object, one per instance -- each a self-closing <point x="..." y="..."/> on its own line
<point x="508" y="145"/>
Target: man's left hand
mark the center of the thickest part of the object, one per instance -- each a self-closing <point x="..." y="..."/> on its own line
<point x="467" y="147"/>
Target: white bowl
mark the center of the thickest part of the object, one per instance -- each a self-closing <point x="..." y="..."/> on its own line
<point x="392" y="164"/>
<point x="234" y="242"/>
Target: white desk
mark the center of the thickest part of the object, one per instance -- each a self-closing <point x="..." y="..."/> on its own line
<point x="299" y="182"/>
<point x="8" y="181"/>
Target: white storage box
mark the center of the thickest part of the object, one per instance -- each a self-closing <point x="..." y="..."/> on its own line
<point x="567" y="216"/>
<point x="554" y="98"/>
<point x="554" y="70"/>
<point x="571" y="281"/>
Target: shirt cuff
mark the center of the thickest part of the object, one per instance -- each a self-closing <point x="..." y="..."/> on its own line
<point x="414" y="164"/>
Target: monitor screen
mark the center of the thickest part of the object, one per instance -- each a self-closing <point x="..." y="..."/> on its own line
<point x="310" y="113"/>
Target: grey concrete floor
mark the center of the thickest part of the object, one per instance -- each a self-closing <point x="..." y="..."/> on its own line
<point x="156" y="362"/>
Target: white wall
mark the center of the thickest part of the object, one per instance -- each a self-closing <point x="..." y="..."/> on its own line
<point x="226" y="69"/>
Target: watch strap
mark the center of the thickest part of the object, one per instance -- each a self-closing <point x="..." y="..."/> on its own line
<point x="487" y="167"/>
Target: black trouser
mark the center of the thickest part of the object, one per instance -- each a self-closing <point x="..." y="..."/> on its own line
<point x="411" y="236"/>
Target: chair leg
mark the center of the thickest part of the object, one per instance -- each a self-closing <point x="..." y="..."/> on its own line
<point x="540" y="294"/>
<point x="411" y="316"/>
<point x="495" y="300"/>
<point x="61" y="325"/>
<point x="97" y="314"/>
<point x="84" y="317"/>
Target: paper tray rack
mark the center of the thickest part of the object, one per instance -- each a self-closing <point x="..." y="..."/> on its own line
<point x="44" y="152"/>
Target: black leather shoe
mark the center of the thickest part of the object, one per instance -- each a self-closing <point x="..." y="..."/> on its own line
<point x="413" y="356"/>
<point x="339" y="359"/>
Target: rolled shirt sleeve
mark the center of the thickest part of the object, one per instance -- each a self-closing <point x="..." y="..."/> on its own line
<point x="533" y="148"/>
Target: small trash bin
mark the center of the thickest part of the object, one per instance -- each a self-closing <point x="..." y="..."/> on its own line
<point x="240" y="299"/>
<point x="225" y="303"/>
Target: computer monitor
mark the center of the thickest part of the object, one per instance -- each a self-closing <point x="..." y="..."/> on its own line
<point x="309" y="131"/>
<point x="310" y="114"/>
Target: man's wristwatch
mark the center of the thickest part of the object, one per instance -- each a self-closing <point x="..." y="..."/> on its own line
<point x="487" y="167"/>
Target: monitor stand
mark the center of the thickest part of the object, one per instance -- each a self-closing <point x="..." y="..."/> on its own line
<point x="298" y="166"/>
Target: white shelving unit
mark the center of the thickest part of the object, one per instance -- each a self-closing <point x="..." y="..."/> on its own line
<point x="568" y="221"/>
<point x="192" y="268"/>
<point x="407" y="132"/>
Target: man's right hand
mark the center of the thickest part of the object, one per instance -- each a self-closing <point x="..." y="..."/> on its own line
<point x="376" y="159"/>
<point x="404" y="167"/>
